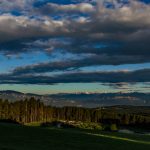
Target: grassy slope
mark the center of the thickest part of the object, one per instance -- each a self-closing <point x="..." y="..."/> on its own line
<point x="14" y="137"/>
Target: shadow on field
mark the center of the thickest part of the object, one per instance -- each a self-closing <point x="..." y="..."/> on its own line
<point x="4" y="148"/>
<point x="13" y="137"/>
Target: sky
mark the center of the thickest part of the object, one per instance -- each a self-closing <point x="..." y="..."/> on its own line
<point x="68" y="46"/>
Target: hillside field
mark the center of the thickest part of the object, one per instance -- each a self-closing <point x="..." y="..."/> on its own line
<point x="17" y="137"/>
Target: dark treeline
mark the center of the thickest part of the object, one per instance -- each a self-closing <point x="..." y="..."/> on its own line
<point x="35" y="111"/>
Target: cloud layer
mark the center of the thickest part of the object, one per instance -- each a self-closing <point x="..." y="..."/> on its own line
<point x="102" y="32"/>
<point x="79" y="77"/>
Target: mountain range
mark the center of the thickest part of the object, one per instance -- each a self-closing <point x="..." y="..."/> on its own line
<point x="82" y="99"/>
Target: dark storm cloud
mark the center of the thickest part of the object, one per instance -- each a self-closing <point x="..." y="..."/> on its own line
<point x="79" y="77"/>
<point x="76" y="64"/>
<point x="120" y="85"/>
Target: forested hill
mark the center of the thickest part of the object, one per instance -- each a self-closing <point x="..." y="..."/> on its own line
<point x="32" y="110"/>
<point x="82" y="99"/>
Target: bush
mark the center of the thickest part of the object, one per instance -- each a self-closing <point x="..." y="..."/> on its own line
<point x="58" y="124"/>
<point x="84" y="125"/>
<point x="8" y="121"/>
<point x="113" y="127"/>
<point x="110" y="127"/>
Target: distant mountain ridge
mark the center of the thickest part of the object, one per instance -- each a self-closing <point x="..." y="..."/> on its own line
<point x="82" y="99"/>
<point x="10" y="92"/>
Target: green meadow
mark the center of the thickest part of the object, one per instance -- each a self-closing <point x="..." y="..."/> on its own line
<point x="18" y="137"/>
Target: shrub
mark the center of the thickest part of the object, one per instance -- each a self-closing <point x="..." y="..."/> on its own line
<point x="113" y="127"/>
<point x="9" y="121"/>
<point x="85" y="125"/>
<point x="58" y="124"/>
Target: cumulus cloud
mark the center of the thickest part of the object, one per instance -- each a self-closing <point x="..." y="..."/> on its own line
<point x="18" y="31"/>
<point x="52" y="8"/>
<point x="13" y="27"/>
<point x="9" y="5"/>
<point x="128" y="24"/>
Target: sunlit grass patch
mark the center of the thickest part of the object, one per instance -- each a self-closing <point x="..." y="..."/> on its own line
<point x="120" y="138"/>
